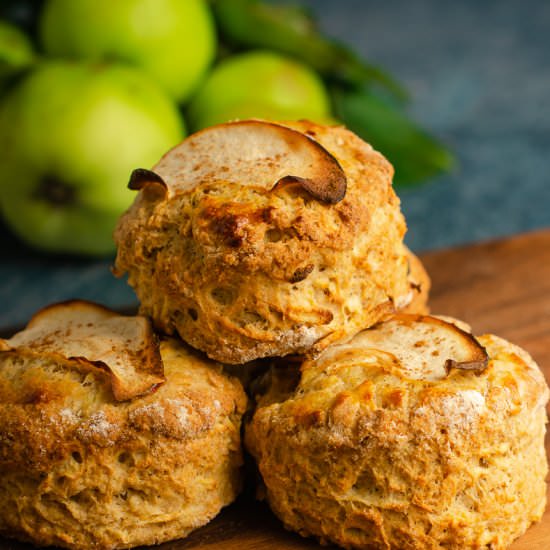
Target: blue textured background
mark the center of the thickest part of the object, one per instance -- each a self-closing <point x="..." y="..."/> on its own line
<point x="479" y="73"/>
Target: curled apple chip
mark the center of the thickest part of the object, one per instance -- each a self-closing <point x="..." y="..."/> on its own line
<point x="424" y="347"/>
<point x="141" y="178"/>
<point x="80" y="331"/>
<point x="256" y="153"/>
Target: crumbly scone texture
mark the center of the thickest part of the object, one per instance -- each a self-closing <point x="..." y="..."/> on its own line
<point x="81" y="470"/>
<point x="242" y="272"/>
<point x="420" y="285"/>
<point x="359" y="455"/>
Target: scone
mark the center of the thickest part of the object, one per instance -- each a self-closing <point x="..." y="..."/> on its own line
<point x="109" y="439"/>
<point x="254" y="239"/>
<point x="420" y="285"/>
<point x="414" y="435"/>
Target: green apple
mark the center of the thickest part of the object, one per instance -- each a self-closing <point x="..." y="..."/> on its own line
<point x="172" y="40"/>
<point x="16" y="51"/>
<point x="259" y="84"/>
<point x="70" y="135"/>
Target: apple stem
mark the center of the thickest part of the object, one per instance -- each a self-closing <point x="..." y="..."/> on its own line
<point x="55" y="191"/>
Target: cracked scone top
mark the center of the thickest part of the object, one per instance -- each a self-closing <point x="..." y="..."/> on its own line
<point x="411" y="435"/>
<point x="109" y="439"/>
<point x="254" y="239"/>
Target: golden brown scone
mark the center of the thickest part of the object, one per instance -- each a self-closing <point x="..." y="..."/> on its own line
<point x="420" y="285"/>
<point x="255" y="239"/>
<point x="407" y="438"/>
<point x="81" y="468"/>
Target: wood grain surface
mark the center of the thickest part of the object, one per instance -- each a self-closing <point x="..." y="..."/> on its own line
<point x="501" y="287"/>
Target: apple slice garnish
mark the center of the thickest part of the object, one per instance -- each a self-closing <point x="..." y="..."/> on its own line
<point x="424" y="347"/>
<point x="421" y="341"/>
<point x="141" y="178"/>
<point x="255" y="153"/>
<point x="83" y="332"/>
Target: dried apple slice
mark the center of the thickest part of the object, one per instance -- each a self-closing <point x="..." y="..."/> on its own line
<point x="80" y="331"/>
<point x="141" y="178"/>
<point x="256" y="153"/>
<point x="425" y="347"/>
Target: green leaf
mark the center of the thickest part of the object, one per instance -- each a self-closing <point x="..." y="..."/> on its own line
<point x="291" y="31"/>
<point x="415" y="154"/>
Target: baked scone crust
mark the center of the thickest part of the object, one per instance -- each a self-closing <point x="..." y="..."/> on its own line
<point x="420" y="285"/>
<point x="362" y="456"/>
<point x="82" y="470"/>
<point x="243" y="272"/>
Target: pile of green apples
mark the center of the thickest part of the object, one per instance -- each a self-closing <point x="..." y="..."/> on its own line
<point x="101" y="87"/>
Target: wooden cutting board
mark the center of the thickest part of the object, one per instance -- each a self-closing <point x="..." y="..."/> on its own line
<point x="501" y="287"/>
